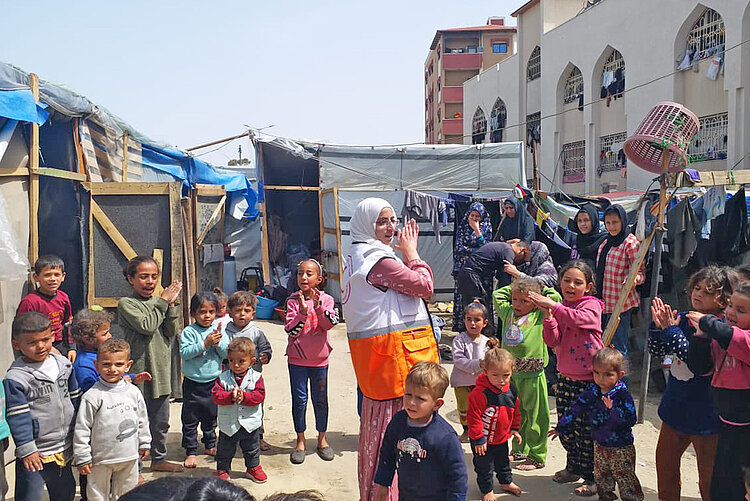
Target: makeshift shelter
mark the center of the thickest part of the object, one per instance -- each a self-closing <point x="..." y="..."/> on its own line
<point x="309" y="191"/>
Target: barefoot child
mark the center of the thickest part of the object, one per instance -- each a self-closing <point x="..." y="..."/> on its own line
<point x="725" y="347"/>
<point x="202" y="348"/>
<point x="421" y="445"/>
<point x="149" y="324"/>
<point x="573" y="329"/>
<point x="687" y="409"/>
<point x="111" y="431"/>
<point x="608" y="406"/>
<point x="310" y="314"/>
<point x="238" y="392"/>
<point x="522" y="326"/>
<point x="494" y="418"/>
<point x="468" y="351"/>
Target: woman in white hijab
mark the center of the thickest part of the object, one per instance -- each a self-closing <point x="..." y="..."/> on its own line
<point x="387" y="323"/>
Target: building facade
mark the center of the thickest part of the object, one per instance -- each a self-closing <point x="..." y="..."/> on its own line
<point x="455" y="56"/>
<point x="583" y="80"/>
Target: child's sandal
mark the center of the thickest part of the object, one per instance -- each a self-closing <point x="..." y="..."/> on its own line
<point x="565" y="477"/>
<point x="585" y="490"/>
<point x="530" y="465"/>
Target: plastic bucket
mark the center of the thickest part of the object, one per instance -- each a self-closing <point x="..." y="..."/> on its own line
<point x="265" y="307"/>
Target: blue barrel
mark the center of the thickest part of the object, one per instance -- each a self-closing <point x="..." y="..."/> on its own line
<point x="265" y="307"/>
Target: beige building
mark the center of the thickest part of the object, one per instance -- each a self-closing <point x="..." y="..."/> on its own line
<point x="455" y="56"/>
<point x="582" y="80"/>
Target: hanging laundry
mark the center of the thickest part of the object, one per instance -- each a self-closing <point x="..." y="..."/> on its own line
<point x="686" y="61"/>
<point x="580" y="101"/>
<point x="714" y="203"/>
<point x="730" y="231"/>
<point x="683" y="232"/>
<point x="713" y="67"/>
<point x="421" y="205"/>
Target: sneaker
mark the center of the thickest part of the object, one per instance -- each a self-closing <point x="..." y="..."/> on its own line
<point x="257" y="474"/>
<point x="222" y="474"/>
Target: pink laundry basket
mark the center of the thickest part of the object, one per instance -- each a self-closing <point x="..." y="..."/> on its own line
<point x="668" y="129"/>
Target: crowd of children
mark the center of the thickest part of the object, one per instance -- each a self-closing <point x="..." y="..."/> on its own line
<point x="102" y="404"/>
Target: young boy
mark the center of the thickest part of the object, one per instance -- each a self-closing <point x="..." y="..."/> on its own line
<point x="42" y="397"/>
<point x="241" y="309"/>
<point x="49" y="274"/>
<point x="521" y="334"/>
<point x="420" y="444"/>
<point x="239" y="392"/>
<point x="111" y="431"/>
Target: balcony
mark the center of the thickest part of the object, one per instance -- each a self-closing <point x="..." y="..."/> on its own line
<point x="453" y="94"/>
<point x="462" y="61"/>
<point x="453" y="126"/>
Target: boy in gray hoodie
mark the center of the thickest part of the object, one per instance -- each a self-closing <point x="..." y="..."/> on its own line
<point x="42" y="395"/>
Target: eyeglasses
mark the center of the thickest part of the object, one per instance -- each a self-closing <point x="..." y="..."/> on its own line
<point x="385" y="222"/>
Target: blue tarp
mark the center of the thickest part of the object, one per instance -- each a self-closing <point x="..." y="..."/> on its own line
<point x="19" y="105"/>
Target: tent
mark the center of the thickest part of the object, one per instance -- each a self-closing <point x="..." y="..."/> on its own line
<point x="309" y="191"/>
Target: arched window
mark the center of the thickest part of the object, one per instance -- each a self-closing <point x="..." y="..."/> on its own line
<point x="498" y="117"/>
<point x="613" y="76"/>
<point x="706" y="35"/>
<point x="478" y="126"/>
<point x="573" y="86"/>
<point x="534" y="68"/>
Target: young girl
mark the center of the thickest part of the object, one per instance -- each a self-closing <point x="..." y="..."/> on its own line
<point x="149" y="323"/>
<point x="310" y="314"/>
<point x="687" y="409"/>
<point x="608" y="407"/>
<point x="614" y="259"/>
<point x="222" y="315"/>
<point x="468" y="350"/>
<point x="522" y="330"/>
<point x="725" y="348"/>
<point x="494" y="418"/>
<point x="202" y="348"/>
<point x="574" y="329"/>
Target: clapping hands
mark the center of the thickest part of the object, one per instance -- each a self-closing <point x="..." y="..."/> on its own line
<point x="663" y="315"/>
<point x="172" y="292"/>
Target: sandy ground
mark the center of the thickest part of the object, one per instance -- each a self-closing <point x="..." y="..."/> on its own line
<point x="338" y="479"/>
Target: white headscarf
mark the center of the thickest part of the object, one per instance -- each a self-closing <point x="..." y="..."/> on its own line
<point x="362" y="224"/>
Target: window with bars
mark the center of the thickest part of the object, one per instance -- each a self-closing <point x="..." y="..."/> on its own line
<point x="498" y="117"/>
<point x="478" y="126"/>
<point x="614" y="62"/>
<point x="610" y="158"/>
<point x="711" y="141"/>
<point x="534" y="68"/>
<point x="574" y="162"/>
<point x="534" y="127"/>
<point x="707" y="34"/>
<point x="573" y="86"/>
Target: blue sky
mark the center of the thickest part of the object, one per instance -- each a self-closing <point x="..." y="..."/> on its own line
<point x="189" y="72"/>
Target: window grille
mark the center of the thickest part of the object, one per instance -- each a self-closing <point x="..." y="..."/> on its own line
<point x="478" y="126"/>
<point x="573" y="86"/>
<point x="498" y="118"/>
<point x="707" y="34"/>
<point x="574" y="162"/>
<point x="534" y="68"/>
<point x="711" y="141"/>
<point x="609" y="153"/>
<point x="614" y="62"/>
<point x="534" y="127"/>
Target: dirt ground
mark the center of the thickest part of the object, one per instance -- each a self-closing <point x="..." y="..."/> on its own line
<point x="338" y="479"/>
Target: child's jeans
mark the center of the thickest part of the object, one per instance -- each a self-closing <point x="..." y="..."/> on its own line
<point x="616" y="464"/>
<point x="318" y="377"/>
<point x="197" y="408"/>
<point x="669" y="450"/>
<point x="495" y="458"/>
<point x="61" y="485"/>
<point x="117" y="478"/>
<point x="249" y="443"/>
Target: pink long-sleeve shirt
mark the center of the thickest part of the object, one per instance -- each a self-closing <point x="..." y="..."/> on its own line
<point x="413" y="279"/>
<point x="575" y="332"/>
<point x="308" y="344"/>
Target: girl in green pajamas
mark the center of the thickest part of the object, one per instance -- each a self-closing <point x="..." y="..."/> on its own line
<point x="521" y="333"/>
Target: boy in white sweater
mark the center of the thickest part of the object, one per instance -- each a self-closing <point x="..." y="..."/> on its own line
<point x="111" y="430"/>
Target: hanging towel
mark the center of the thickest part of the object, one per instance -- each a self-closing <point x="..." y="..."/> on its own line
<point x="422" y="205"/>
<point x="683" y="232"/>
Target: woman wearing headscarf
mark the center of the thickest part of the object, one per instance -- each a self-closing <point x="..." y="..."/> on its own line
<point x="516" y="223"/>
<point x="588" y="234"/>
<point x="615" y="258"/>
<point x="387" y="323"/>
<point x="474" y="230"/>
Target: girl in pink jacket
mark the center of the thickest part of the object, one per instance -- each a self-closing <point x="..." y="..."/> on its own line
<point x="573" y="329"/>
<point x="310" y="314"/>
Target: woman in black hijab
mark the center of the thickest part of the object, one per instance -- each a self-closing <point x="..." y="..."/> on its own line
<point x="516" y="223"/>
<point x="588" y="235"/>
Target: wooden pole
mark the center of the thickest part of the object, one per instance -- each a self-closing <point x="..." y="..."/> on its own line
<point x="537" y="184"/>
<point x="34" y="179"/>
<point x="656" y="270"/>
<point x="125" y="157"/>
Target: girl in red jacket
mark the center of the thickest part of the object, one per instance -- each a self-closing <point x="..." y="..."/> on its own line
<point x="573" y="329"/>
<point x="494" y="418"/>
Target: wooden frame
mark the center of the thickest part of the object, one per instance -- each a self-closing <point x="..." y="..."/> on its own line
<point x="217" y="217"/>
<point x="115" y="188"/>
<point x="331" y="231"/>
